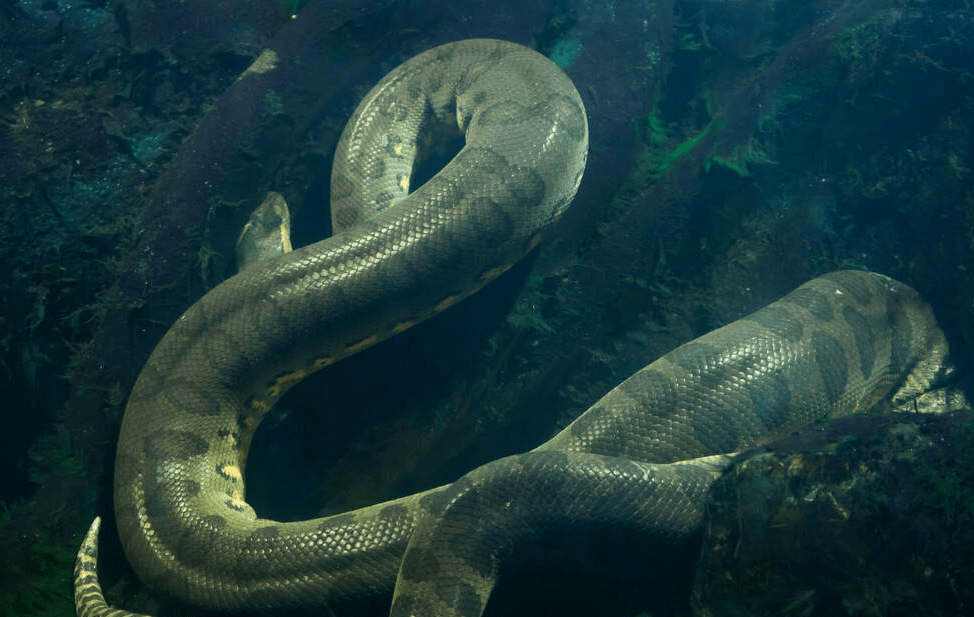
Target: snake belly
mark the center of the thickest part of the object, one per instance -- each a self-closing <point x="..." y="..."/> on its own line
<point x="398" y="258"/>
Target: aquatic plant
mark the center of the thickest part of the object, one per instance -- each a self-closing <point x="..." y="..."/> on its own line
<point x="528" y="312"/>
<point x="38" y="582"/>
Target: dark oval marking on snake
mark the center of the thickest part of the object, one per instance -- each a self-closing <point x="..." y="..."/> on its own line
<point x="173" y="445"/>
<point x="864" y="338"/>
<point x="812" y="301"/>
<point x="778" y="321"/>
<point x="832" y="368"/>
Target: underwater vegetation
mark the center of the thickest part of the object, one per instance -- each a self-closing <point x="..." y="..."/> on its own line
<point x="875" y="523"/>
<point x="39" y="579"/>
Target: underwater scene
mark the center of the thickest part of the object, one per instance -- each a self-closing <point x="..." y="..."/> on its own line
<point x="623" y="308"/>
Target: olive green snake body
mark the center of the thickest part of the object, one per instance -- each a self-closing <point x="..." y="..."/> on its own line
<point x="643" y="457"/>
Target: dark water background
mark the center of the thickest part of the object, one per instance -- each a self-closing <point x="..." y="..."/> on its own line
<point x="738" y="148"/>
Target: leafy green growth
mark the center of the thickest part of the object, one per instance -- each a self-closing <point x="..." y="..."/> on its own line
<point x="952" y="489"/>
<point x="688" y="42"/>
<point x="52" y="455"/>
<point x="653" y="160"/>
<point x="526" y="313"/>
<point x="50" y="568"/>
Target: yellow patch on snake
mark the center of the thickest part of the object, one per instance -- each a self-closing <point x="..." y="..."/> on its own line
<point x="446" y="303"/>
<point x="259" y="405"/>
<point x="231" y="472"/>
<point x="363" y="344"/>
<point x="534" y="241"/>
<point x="493" y="273"/>
<point x="286" y="238"/>
<point x="322" y="362"/>
<point x="243" y="232"/>
<point x="285" y="381"/>
<point x="238" y="501"/>
<point x="402" y="326"/>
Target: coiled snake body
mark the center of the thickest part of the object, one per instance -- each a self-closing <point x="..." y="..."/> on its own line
<point x="642" y="457"/>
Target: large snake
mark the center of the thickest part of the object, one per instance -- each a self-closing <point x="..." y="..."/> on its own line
<point x="641" y="458"/>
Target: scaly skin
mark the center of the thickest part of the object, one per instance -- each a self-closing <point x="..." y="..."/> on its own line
<point x="642" y="458"/>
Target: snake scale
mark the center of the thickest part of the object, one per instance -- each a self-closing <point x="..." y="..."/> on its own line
<point x="642" y="458"/>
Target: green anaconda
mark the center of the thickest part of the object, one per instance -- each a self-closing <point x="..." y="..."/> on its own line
<point x="642" y="458"/>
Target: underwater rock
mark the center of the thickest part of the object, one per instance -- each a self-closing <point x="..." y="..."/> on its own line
<point x="863" y="516"/>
